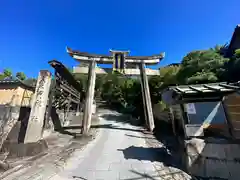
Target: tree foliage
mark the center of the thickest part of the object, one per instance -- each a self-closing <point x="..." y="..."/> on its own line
<point x="168" y="76"/>
<point x="31" y="81"/>
<point x="21" y="75"/>
<point x="232" y="72"/>
<point x="202" y="67"/>
<point x="7" y="73"/>
<point x="1" y="76"/>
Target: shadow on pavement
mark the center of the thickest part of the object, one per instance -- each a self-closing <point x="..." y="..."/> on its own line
<point x="149" y="154"/>
<point x="153" y="177"/>
<point x="142" y="175"/>
<point x="142" y="137"/>
<point x="102" y="126"/>
<point x="122" y="118"/>
<point x="74" y="134"/>
<point x="169" y="168"/>
<point x="164" y="134"/>
<point x="77" y="177"/>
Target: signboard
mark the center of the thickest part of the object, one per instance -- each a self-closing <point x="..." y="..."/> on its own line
<point x="194" y="130"/>
<point x="190" y="107"/>
<point x="119" y="62"/>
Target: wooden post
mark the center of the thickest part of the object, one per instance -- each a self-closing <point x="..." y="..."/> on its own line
<point x="89" y="98"/>
<point x="38" y="109"/>
<point x="146" y="92"/>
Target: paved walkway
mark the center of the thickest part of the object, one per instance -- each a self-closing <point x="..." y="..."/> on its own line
<point x="118" y="152"/>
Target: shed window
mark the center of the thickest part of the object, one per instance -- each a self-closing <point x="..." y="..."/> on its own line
<point x="210" y="115"/>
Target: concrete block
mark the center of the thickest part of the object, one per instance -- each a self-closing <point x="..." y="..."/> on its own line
<point x="214" y="151"/>
<point x="234" y="170"/>
<point x="215" y="168"/>
<point x="232" y="151"/>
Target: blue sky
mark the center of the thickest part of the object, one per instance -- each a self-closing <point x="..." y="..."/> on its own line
<point x="34" y="32"/>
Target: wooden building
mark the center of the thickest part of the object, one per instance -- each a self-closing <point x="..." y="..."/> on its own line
<point x="15" y="105"/>
<point x="15" y="92"/>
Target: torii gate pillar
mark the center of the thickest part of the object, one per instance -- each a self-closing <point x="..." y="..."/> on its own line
<point x="147" y="104"/>
<point x="89" y="98"/>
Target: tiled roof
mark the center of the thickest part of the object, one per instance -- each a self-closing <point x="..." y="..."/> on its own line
<point x="197" y="92"/>
<point x="205" y="88"/>
<point x="17" y="82"/>
<point x="8" y="81"/>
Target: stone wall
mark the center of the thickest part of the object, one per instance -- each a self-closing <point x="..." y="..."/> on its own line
<point x="216" y="158"/>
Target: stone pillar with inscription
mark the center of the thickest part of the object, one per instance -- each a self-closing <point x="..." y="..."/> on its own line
<point x="38" y="108"/>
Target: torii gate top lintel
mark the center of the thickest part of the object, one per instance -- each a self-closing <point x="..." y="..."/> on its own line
<point x="108" y="59"/>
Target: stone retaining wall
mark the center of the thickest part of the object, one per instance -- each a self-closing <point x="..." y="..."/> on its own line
<point x="214" y="158"/>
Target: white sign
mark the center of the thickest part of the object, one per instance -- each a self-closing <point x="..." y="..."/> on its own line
<point x="194" y="130"/>
<point x="190" y="108"/>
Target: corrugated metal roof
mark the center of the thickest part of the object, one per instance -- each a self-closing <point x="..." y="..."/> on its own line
<point x="198" y="92"/>
<point x="205" y="88"/>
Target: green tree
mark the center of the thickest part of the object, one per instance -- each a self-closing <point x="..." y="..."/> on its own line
<point x="168" y="76"/>
<point x="231" y="72"/>
<point x="1" y="77"/>
<point x="31" y="81"/>
<point x="202" y="67"/>
<point x="21" y="76"/>
<point x="7" y="73"/>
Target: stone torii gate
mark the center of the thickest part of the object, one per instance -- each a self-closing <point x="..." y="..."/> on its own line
<point x="121" y="61"/>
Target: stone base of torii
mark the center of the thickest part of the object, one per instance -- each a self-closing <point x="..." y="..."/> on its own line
<point x="92" y="70"/>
